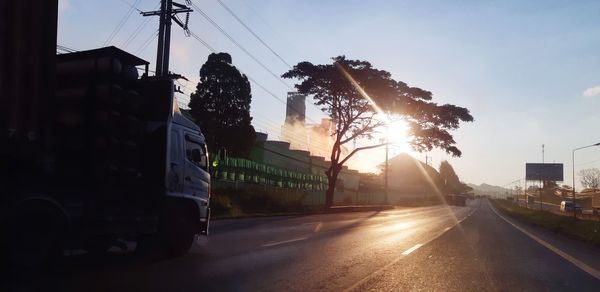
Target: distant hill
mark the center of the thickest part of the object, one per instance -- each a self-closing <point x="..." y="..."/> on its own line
<point x="485" y="189"/>
<point x="411" y="177"/>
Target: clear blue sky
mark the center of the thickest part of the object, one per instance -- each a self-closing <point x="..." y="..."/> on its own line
<point x="529" y="71"/>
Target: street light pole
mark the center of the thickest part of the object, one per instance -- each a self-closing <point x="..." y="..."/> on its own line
<point x="573" y="164"/>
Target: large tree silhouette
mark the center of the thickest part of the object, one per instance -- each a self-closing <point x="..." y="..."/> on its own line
<point x="352" y="92"/>
<point x="221" y="106"/>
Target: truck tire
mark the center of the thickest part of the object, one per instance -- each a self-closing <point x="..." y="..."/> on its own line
<point x="35" y="233"/>
<point x="98" y="246"/>
<point x="178" y="229"/>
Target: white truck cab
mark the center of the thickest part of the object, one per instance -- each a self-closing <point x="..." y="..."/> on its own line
<point x="187" y="173"/>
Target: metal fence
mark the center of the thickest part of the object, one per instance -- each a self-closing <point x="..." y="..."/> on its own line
<point x="246" y="171"/>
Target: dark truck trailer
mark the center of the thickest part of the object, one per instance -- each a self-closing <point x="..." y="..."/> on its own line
<point x="119" y="162"/>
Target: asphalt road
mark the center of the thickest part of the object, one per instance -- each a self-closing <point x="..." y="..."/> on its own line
<point x="430" y="248"/>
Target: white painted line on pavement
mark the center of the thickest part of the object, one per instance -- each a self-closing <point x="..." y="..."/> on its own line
<point x="368" y="277"/>
<point x="581" y="265"/>
<point x="283" y="242"/>
<point x="408" y="251"/>
<point x="318" y="227"/>
<point x="311" y="223"/>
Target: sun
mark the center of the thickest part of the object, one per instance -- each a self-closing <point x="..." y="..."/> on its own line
<point x="398" y="136"/>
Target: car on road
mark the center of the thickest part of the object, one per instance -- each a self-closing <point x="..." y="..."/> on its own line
<point x="567" y="206"/>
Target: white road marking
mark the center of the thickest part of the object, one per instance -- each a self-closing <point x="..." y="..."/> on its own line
<point x="311" y="223"/>
<point x="366" y="278"/>
<point x="318" y="227"/>
<point x="415" y="247"/>
<point x="595" y="273"/>
<point x="283" y="242"/>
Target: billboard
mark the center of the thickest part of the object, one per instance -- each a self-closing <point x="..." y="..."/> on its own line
<point x="544" y="171"/>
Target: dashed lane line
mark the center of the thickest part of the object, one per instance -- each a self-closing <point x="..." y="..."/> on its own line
<point x="283" y="242"/>
<point x="415" y="247"/>
<point x="373" y="274"/>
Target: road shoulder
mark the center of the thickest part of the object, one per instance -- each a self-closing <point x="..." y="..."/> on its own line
<point x="580" y="251"/>
<point x="483" y="253"/>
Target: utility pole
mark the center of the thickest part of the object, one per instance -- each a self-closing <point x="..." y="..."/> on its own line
<point x="387" y="143"/>
<point x="166" y="14"/>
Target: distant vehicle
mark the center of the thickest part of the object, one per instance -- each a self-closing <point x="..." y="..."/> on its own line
<point x="120" y="162"/>
<point x="456" y="200"/>
<point x="567" y="206"/>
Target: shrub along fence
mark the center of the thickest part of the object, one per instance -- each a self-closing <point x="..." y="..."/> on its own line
<point x="242" y="187"/>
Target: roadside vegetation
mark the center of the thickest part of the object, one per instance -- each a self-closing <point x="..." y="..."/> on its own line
<point x="586" y="230"/>
<point x="251" y="202"/>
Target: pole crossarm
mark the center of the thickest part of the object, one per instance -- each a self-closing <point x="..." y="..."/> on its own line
<point x="166" y="14"/>
<point x="173" y="12"/>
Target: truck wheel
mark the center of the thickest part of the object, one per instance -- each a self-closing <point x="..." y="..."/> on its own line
<point x="98" y="246"/>
<point x="178" y="231"/>
<point x="35" y="234"/>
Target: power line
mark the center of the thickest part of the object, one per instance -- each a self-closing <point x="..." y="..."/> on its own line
<point x="121" y="23"/>
<point x="130" y="5"/>
<point x="253" y="33"/>
<point x="208" y="46"/>
<point x="184" y="86"/>
<point x="192" y="34"/>
<point x="239" y="45"/>
<point x="138" y="29"/>
<point x="249" y="54"/>
<point x="260" y="120"/>
<point x="588" y="162"/>
<point x="65" y="49"/>
<point x="147" y="42"/>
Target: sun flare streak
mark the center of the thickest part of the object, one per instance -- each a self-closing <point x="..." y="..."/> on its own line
<point x="437" y="193"/>
<point x="360" y="90"/>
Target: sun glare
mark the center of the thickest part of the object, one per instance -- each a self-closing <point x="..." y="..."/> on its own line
<point x="397" y="132"/>
<point x="370" y="160"/>
<point x="397" y="135"/>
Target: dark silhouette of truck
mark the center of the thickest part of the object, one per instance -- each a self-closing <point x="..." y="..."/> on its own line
<point x="90" y="152"/>
<point x="119" y="162"/>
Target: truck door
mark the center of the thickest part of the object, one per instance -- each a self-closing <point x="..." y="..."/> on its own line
<point x="196" y="178"/>
<point x="177" y="163"/>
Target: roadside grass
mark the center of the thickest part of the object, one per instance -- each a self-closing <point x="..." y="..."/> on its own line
<point x="232" y="203"/>
<point x="586" y="230"/>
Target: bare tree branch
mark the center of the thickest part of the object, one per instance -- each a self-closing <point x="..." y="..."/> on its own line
<point x="359" y="149"/>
